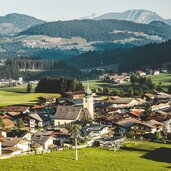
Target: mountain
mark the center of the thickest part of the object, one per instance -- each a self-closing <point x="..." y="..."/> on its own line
<point x="15" y="23"/>
<point x="138" y="16"/>
<point x="168" y="21"/>
<point x="117" y="31"/>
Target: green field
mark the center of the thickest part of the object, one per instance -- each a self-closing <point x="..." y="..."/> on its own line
<point x="165" y="79"/>
<point x="94" y="84"/>
<point x="136" y="156"/>
<point x="18" y="89"/>
<point x="13" y="98"/>
<point x="17" y="95"/>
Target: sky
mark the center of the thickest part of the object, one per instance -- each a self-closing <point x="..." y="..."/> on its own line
<point x="53" y="10"/>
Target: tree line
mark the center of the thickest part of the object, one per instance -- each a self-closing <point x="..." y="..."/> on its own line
<point x="61" y="85"/>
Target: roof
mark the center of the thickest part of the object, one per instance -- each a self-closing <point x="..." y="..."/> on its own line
<point x="41" y="137"/>
<point x="17" y="133"/>
<point x="10" y="149"/>
<point x="154" y="122"/>
<point x="8" y="122"/>
<point x="88" y="91"/>
<point x="39" y="117"/>
<point x="131" y="121"/>
<point x="77" y="93"/>
<point x="10" y="142"/>
<point x="14" y="108"/>
<point x="37" y="107"/>
<point x="67" y="112"/>
<point x="122" y="100"/>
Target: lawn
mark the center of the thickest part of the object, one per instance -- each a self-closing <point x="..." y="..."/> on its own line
<point x="13" y="98"/>
<point x="18" y="95"/>
<point x="136" y="156"/>
<point x="19" y="89"/>
<point x="165" y="79"/>
<point x="94" y="84"/>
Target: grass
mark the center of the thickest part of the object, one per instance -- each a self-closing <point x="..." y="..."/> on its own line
<point x="165" y="79"/>
<point x="13" y="98"/>
<point x="18" y="89"/>
<point x="135" y="156"/>
<point x="94" y="84"/>
<point x="18" y="95"/>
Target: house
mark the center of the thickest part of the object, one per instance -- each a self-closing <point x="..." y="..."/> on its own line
<point x="61" y="136"/>
<point x="158" y="125"/>
<point x="47" y="101"/>
<point x="96" y="131"/>
<point x="15" y="110"/>
<point x="76" y="94"/>
<point x="19" y="134"/>
<point x="138" y="126"/>
<point x="156" y="72"/>
<point x="122" y="102"/>
<point x="11" y="142"/>
<point x="8" y="123"/>
<point x="68" y="114"/>
<point x="162" y="117"/>
<point x="43" y="139"/>
<point x="141" y="73"/>
<point x="35" y="120"/>
<point x="149" y="96"/>
<point x="159" y="106"/>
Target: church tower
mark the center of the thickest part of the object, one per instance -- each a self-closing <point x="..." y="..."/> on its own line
<point x="88" y="102"/>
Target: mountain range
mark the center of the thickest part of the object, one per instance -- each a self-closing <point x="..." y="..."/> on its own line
<point x="14" y="23"/>
<point x="138" y="16"/>
<point x="104" y="30"/>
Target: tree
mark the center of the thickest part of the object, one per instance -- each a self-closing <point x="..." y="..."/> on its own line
<point x="131" y="134"/>
<point x="147" y="110"/>
<point x="75" y="132"/>
<point x="29" y="88"/>
<point x="2" y="125"/>
<point x="169" y="89"/>
<point x="133" y="78"/>
<point x="20" y="123"/>
<point x="131" y="92"/>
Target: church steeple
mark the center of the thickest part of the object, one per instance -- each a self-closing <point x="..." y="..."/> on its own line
<point x="88" y="102"/>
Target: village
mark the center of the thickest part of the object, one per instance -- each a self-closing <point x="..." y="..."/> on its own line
<point x="105" y="122"/>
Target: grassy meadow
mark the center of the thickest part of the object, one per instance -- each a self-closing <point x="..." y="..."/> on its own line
<point x="165" y="79"/>
<point x="18" y="95"/>
<point x="135" y="156"/>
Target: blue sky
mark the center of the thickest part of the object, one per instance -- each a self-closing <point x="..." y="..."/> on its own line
<point x="51" y="10"/>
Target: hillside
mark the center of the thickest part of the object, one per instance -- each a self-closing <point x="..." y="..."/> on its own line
<point x="102" y="30"/>
<point x="138" y="16"/>
<point x="126" y="59"/>
<point x="14" y="23"/>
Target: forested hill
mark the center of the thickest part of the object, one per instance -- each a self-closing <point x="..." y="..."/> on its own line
<point x="31" y="69"/>
<point x="102" y="30"/>
<point x="127" y="59"/>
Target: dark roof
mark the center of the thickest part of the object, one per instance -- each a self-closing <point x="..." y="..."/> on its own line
<point x="68" y="112"/>
<point x="39" y="117"/>
<point x="41" y="137"/>
<point x="17" y="133"/>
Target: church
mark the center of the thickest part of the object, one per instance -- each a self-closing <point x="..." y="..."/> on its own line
<point x="68" y="114"/>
